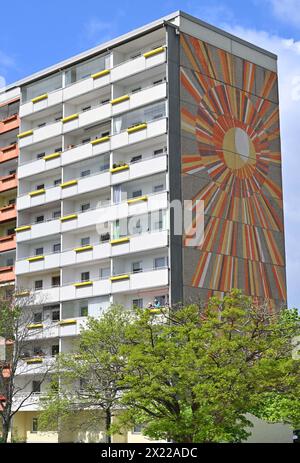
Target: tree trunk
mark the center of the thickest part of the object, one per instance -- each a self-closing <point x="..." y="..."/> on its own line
<point x="107" y="426"/>
<point x="5" y="430"/>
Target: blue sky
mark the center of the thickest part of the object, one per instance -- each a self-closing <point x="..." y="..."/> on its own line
<point x="36" y="34"/>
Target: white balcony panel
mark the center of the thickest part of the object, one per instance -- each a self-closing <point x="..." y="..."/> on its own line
<point x="154" y="129"/>
<point x="98" y="288"/>
<point x="49" y="330"/>
<point x="53" y="99"/>
<point x="39" y="230"/>
<point x="87" y="184"/>
<point x="49" y="131"/>
<point x="141" y="98"/>
<point x="99" y="251"/>
<point x="143" y="280"/>
<point x="73" y="124"/>
<point x="78" y="153"/>
<point x="140" y="169"/>
<point x="74" y="328"/>
<point x="35" y="167"/>
<point x="50" y="261"/>
<point x="37" y="368"/>
<point x="50" y="195"/>
<point x="28" y="403"/>
<point x="136" y="65"/>
<point x="94" y="115"/>
<point x="45" y="296"/>
<point x="78" y="88"/>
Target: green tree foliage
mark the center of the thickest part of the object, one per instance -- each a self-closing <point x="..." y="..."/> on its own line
<point x="190" y="374"/>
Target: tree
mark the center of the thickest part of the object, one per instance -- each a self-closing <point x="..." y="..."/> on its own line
<point x="15" y="316"/>
<point x="90" y="379"/>
<point x="195" y="377"/>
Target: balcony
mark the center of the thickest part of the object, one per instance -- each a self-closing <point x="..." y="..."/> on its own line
<point x="8" y="213"/>
<point x="9" y="182"/>
<point x="7" y="243"/>
<point x="9" y="152"/>
<point x="106" y="213"/>
<point x="31" y="136"/>
<point x="48" y="96"/>
<point x="7" y="274"/>
<point x="35" y="364"/>
<point x="10" y="123"/>
<point x="94" y="252"/>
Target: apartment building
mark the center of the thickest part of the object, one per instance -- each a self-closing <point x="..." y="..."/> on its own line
<point x="9" y="128"/>
<point x="179" y="111"/>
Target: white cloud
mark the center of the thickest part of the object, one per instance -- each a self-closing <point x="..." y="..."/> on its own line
<point x="97" y="31"/>
<point x="6" y="63"/>
<point x="288" y="51"/>
<point x="286" y="10"/>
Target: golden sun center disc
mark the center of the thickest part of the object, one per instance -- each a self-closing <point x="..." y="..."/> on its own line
<point x="238" y="149"/>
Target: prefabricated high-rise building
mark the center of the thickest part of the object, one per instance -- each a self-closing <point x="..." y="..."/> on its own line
<point x="177" y="111"/>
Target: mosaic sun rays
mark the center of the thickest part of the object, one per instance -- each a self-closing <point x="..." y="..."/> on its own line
<point x="230" y="132"/>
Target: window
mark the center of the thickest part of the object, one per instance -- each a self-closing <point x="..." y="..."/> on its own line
<point x="159" y="151"/>
<point x="136" y="89"/>
<point x="40" y="187"/>
<point x="38" y="284"/>
<point x="105" y="101"/>
<point x="10" y="262"/>
<point x="160" y="301"/>
<point x="58" y="150"/>
<point x="137" y="429"/>
<point x="39" y="219"/>
<point x="85" y="207"/>
<point x="39" y="251"/>
<point x="158" y="188"/>
<point x="57" y="182"/>
<point x="85" y="276"/>
<point x="42" y="124"/>
<point x="159" y="262"/>
<point x="85" y="140"/>
<point x="56" y="214"/>
<point x="136" y="158"/>
<point x="105" y="272"/>
<point x="105" y="134"/>
<point x="85" y="108"/>
<point x="10" y="231"/>
<point x="136" y="193"/>
<point x="34" y="425"/>
<point x="84" y="311"/>
<point x="56" y="247"/>
<point x="54" y="350"/>
<point x="137" y="267"/>
<point x="55" y="316"/>
<point x="137" y="303"/>
<point x="55" y="281"/>
<point x="40" y="155"/>
<point x="85" y="241"/>
<point x="36" y="386"/>
<point x="37" y="317"/>
<point x="12" y="201"/>
<point x="85" y="173"/>
<point x="12" y="172"/>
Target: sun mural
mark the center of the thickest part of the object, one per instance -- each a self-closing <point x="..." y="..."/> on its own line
<point x="230" y="133"/>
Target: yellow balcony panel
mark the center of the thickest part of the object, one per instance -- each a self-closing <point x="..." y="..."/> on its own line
<point x="22" y="293"/>
<point x="88" y="247"/>
<point x="69" y="183"/>
<point x="126" y="239"/>
<point x="136" y="128"/>
<point x="41" y="191"/>
<point x="25" y="134"/>
<point x="153" y="52"/>
<point x="83" y="283"/>
<point x="23" y="228"/>
<point x="68" y="321"/>
<point x="119" y="169"/>
<point x="120" y="99"/>
<point x="68" y="217"/>
<point x="100" y="74"/>
<point x="48" y="157"/>
<point x="138" y="199"/>
<point x="69" y="118"/>
<point x="34" y="360"/>
<point x="120" y="277"/>
<point x="156" y="311"/>
<point x="34" y="326"/>
<point x="39" y="98"/>
<point x="100" y="140"/>
<point x="35" y="258"/>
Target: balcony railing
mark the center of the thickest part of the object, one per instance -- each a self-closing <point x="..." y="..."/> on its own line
<point x="8" y="213"/>
<point x="10" y="123"/>
<point x="9" y="152"/>
<point x="7" y="243"/>
<point x="7" y="274"/>
<point x="8" y="182"/>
